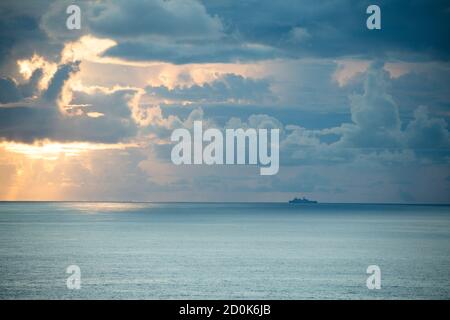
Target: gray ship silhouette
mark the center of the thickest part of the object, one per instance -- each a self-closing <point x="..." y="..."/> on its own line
<point x="302" y="200"/>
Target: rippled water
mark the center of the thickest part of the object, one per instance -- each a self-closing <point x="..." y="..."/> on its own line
<point x="223" y="251"/>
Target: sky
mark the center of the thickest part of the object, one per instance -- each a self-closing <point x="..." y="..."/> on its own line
<point x="87" y="114"/>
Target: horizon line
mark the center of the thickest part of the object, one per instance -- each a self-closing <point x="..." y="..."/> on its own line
<point x="230" y="202"/>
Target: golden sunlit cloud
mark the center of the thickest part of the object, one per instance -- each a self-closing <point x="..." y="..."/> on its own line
<point x="28" y="66"/>
<point x="86" y="48"/>
<point x="95" y="114"/>
<point x="347" y="69"/>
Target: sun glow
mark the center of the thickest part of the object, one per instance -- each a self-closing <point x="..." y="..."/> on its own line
<point x="48" y="150"/>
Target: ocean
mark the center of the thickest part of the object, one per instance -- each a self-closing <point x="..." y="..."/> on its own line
<point x="223" y="250"/>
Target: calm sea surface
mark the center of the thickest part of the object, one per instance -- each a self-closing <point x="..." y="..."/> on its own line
<point x="223" y="251"/>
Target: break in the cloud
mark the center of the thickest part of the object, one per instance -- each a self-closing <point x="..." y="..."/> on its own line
<point x="87" y="114"/>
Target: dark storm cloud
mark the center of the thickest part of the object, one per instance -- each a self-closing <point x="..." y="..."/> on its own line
<point x="429" y="87"/>
<point x="425" y="133"/>
<point x="175" y="19"/>
<point x="10" y="91"/>
<point x="15" y="30"/>
<point x="28" y="124"/>
<point x="43" y="119"/>
<point x="175" y="31"/>
<point x="183" y="52"/>
<point x="59" y="79"/>
<point x="223" y="31"/>
<point x="21" y="33"/>
<point x="227" y="87"/>
<point x="338" y="28"/>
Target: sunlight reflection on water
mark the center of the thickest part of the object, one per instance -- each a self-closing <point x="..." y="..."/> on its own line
<point x="105" y="207"/>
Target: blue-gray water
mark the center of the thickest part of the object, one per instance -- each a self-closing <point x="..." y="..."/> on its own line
<point x="223" y="251"/>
